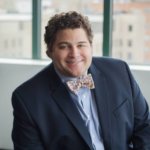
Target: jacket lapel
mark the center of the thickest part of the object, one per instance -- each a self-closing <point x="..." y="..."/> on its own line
<point x="101" y="96"/>
<point x="63" y="99"/>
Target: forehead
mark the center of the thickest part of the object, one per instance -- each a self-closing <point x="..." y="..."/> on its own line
<point x="73" y="35"/>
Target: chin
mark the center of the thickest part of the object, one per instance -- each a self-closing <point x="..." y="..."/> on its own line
<point x="77" y="74"/>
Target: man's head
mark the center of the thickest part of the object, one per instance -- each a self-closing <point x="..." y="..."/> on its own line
<point x="69" y="43"/>
<point x="68" y="20"/>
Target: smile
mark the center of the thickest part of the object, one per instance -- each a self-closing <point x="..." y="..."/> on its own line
<point x="74" y="61"/>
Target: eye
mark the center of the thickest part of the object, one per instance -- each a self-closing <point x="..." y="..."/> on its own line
<point x="81" y="45"/>
<point x="62" y="46"/>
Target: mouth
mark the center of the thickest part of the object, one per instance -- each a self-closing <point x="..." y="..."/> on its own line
<point x="74" y="62"/>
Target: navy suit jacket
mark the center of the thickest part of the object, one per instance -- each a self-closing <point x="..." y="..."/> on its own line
<point x="45" y="117"/>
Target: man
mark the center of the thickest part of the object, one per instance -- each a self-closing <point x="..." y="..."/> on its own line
<point x="61" y="108"/>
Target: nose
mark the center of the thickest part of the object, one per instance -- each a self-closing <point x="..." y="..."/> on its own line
<point x="74" y="51"/>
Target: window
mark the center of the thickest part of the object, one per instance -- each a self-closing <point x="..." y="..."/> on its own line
<point x="21" y="26"/>
<point x="15" y="29"/>
<point x="131" y="22"/>
<point x="131" y="25"/>
<point x="129" y="43"/>
<point x="129" y="56"/>
<point x="130" y="28"/>
<point x="5" y="44"/>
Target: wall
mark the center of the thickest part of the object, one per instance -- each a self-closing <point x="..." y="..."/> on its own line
<point x="14" y="73"/>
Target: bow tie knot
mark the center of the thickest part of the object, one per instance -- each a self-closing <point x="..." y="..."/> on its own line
<point x="83" y="81"/>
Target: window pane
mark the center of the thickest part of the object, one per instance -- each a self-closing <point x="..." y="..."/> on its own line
<point x="15" y="29"/>
<point x="131" y="31"/>
<point x="91" y="8"/>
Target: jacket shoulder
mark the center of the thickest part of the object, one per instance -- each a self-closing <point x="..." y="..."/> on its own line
<point x="107" y="60"/>
<point x="106" y="63"/>
<point x="35" y="81"/>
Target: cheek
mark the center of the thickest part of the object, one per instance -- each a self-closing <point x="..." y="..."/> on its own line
<point x="88" y="54"/>
<point x="57" y="56"/>
<point x="60" y="59"/>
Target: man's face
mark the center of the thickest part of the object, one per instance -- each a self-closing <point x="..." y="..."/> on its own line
<point x="71" y="52"/>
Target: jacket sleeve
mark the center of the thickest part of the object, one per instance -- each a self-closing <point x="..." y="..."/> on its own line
<point x="141" y="133"/>
<point x="24" y="132"/>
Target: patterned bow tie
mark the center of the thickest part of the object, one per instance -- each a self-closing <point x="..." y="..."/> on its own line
<point x="83" y="81"/>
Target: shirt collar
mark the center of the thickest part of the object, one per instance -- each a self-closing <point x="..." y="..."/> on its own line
<point x="64" y="78"/>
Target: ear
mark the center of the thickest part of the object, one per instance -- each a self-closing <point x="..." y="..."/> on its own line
<point x="48" y="52"/>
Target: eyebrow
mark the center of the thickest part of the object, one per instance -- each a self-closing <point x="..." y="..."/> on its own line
<point x="80" y="42"/>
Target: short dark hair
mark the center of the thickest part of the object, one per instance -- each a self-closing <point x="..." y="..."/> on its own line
<point x="68" y="20"/>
